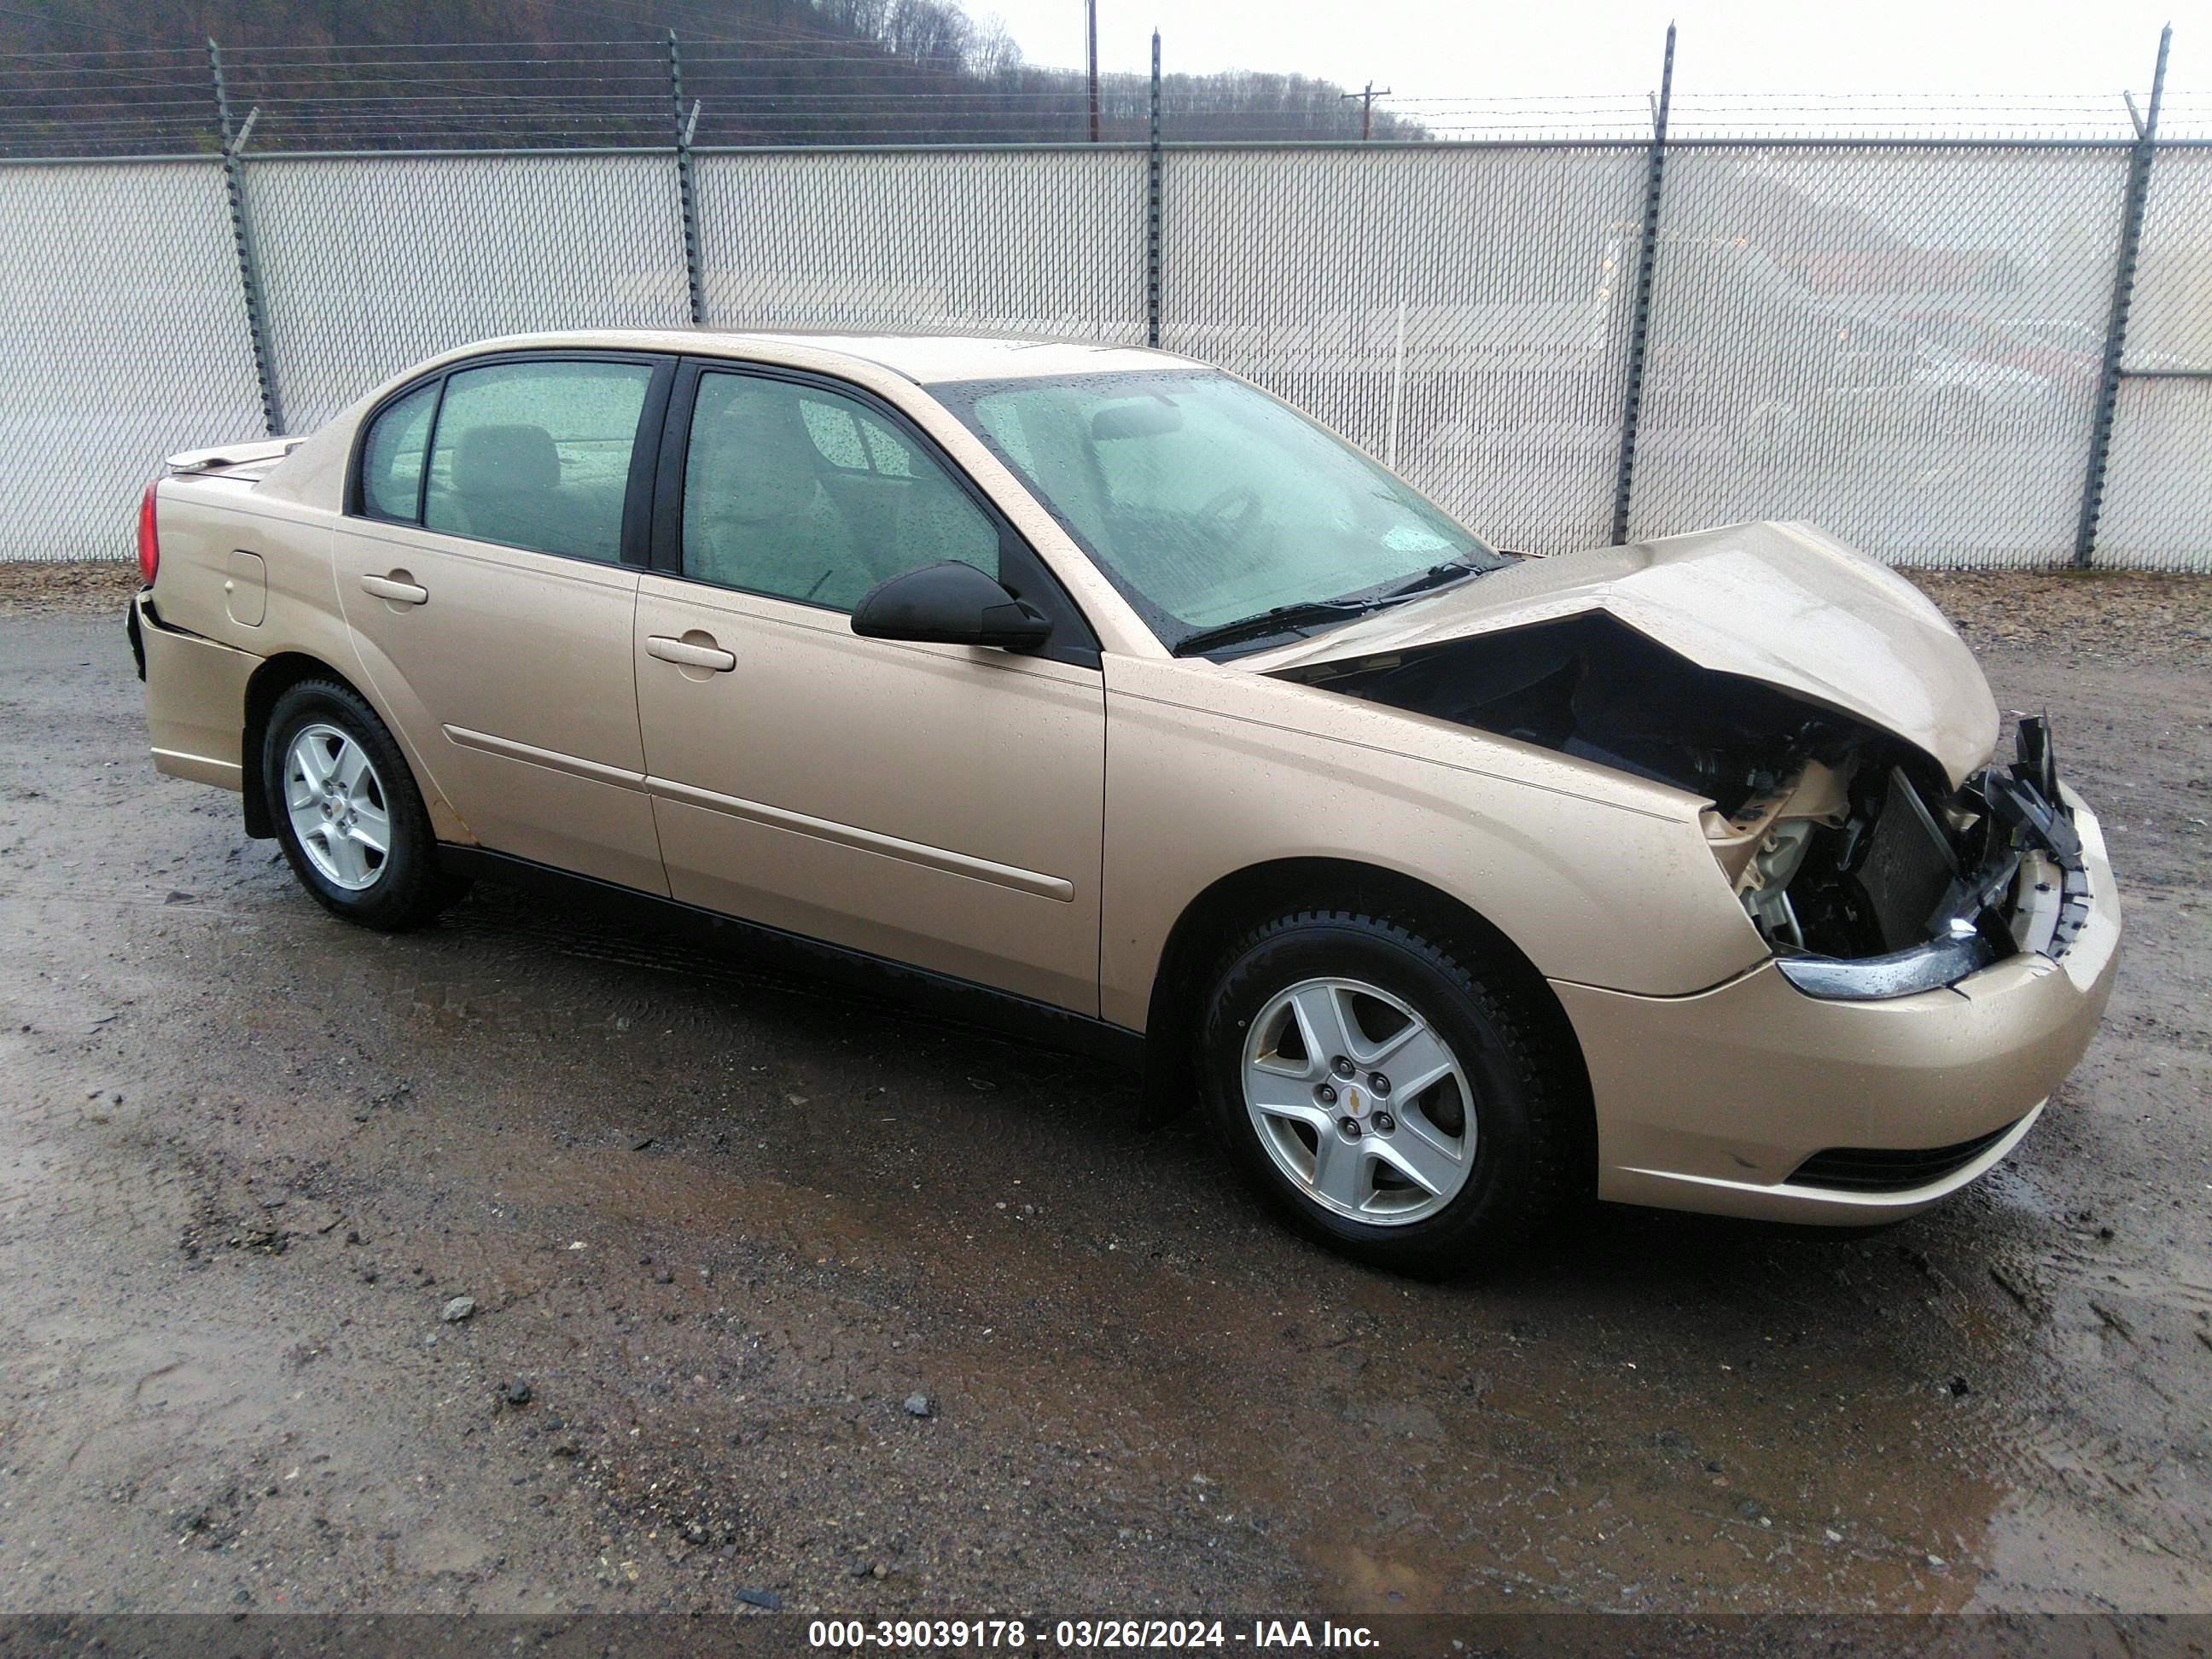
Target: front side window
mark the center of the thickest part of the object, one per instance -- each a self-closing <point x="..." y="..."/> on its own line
<point x="804" y="493"/>
<point x="1207" y="501"/>
<point x="536" y="455"/>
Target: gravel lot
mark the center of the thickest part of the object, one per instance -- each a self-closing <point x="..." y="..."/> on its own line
<point x="720" y="1230"/>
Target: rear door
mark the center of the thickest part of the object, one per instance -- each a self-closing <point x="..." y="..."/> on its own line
<point x="937" y="804"/>
<point x="488" y="568"/>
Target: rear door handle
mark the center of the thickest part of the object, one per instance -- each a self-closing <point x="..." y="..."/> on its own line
<point x="399" y="592"/>
<point x="697" y="651"/>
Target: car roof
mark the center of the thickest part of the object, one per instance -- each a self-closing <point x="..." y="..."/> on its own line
<point x="934" y="357"/>
<point x="926" y="359"/>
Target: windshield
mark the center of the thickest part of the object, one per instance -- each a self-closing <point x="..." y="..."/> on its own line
<point x="1208" y="502"/>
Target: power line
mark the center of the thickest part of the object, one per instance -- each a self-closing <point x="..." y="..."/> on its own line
<point x="1366" y="98"/>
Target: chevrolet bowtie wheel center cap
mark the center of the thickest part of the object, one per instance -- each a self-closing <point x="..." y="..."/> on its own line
<point x="1358" y="1101"/>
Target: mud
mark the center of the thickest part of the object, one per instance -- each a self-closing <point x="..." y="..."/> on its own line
<point x="719" y="1226"/>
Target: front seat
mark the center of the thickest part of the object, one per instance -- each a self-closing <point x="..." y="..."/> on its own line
<point x="755" y="513"/>
<point x="507" y="486"/>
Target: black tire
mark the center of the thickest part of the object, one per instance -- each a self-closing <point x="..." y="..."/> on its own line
<point x="408" y="889"/>
<point x="1530" y="1119"/>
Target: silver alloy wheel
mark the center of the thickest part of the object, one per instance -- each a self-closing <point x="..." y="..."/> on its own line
<point x="338" y="808"/>
<point x="1359" y="1101"/>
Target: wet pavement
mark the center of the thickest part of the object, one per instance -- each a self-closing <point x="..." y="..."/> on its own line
<point x="719" y="1228"/>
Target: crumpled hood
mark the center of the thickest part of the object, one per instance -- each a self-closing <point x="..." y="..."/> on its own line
<point x="1783" y="604"/>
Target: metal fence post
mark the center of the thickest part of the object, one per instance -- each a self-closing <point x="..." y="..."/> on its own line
<point x="686" y="184"/>
<point x="2109" y="371"/>
<point x="249" y="268"/>
<point x="1152" y="210"/>
<point x="1647" y="251"/>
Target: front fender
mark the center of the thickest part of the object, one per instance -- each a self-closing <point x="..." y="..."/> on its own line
<point x="1595" y="878"/>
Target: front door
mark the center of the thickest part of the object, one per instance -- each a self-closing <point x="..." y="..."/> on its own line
<point x="491" y="601"/>
<point x="936" y="804"/>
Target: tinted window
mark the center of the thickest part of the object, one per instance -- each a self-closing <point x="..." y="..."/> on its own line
<point x="391" y="459"/>
<point x="806" y="495"/>
<point x="536" y="455"/>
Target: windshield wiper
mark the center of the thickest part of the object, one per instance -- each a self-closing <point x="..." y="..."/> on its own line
<point x="1283" y="619"/>
<point x="1436" y="576"/>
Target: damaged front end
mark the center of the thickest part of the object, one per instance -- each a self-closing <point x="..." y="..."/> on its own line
<point x="1950" y="883"/>
<point x="1866" y="873"/>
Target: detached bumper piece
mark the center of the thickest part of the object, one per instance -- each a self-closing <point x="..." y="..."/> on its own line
<point x="2031" y="835"/>
<point x="1891" y="1170"/>
<point x="1927" y="967"/>
<point x="195" y="696"/>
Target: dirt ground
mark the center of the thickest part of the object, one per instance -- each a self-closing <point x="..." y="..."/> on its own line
<point x="719" y="1227"/>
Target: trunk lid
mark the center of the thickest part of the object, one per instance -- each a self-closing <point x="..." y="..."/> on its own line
<point x="1782" y="603"/>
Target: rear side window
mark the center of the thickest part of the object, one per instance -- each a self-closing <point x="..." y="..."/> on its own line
<point x="536" y="455"/>
<point x="391" y="459"/>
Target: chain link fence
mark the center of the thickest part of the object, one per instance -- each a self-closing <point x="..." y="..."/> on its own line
<point x="123" y="337"/>
<point x="2158" y="500"/>
<point x="370" y="264"/>
<point x="1903" y="342"/>
<point x="1456" y="311"/>
<point x="1024" y="241"/>
<point x="1900" y="344"/>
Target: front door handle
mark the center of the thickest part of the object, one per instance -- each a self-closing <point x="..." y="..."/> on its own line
<point x="396" y="588"/>
<point x="694" y="650"/>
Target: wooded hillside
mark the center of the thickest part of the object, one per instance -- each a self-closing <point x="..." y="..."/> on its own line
<point x="116" y="77"/>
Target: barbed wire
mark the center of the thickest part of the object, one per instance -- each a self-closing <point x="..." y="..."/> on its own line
<point x="773" y="84"/>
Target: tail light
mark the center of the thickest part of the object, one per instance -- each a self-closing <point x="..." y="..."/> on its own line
<point x="149" y="543"/>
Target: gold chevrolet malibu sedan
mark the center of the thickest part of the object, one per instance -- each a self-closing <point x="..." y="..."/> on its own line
<point x="1096" y="689"/>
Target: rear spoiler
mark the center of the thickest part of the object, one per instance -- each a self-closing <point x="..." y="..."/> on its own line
<point x="240" y="454"/>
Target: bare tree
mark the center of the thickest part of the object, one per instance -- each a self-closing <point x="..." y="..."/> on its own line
<point x="993" y="51"/>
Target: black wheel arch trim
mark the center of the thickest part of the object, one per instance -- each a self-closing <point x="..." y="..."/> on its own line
<point x="274" y="677"/>
<point x="1237" y="900"/>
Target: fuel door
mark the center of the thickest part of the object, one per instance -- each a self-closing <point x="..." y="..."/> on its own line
<point x="245" y="589"/>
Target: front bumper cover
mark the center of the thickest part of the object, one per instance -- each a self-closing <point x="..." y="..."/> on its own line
<point x="1760" y="1077"/>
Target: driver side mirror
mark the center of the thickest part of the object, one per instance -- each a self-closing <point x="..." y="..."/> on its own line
<point x="949" y="603"/>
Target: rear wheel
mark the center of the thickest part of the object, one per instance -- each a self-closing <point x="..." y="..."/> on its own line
<point x="1395" y="1099"/>
<point x="347" y="814"/>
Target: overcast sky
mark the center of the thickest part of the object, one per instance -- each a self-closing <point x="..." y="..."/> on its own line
<point x="1438" y="48"/>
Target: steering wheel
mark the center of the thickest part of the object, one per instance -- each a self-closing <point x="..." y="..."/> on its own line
<point x="1239" y="523"/>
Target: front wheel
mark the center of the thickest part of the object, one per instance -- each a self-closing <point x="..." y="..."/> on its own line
<point x="347" y="814"/>
<point x="1397" y="1102"/>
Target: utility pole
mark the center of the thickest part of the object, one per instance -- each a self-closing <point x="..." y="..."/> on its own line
<point x="1366" y="106"/>
<point x="1091" y="29"/>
